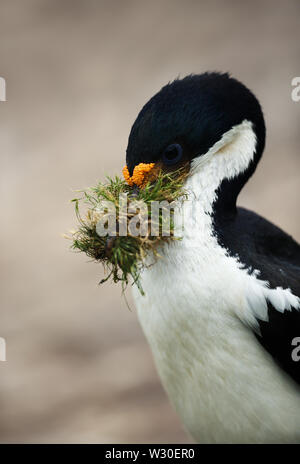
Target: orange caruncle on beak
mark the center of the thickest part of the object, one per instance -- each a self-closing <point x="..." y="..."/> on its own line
<point x="140" y="176"/>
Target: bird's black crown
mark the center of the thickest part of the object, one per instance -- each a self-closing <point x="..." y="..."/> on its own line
<point x="194" y="113"/>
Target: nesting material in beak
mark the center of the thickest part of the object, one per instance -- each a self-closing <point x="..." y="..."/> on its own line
<point x="121" y="250"/>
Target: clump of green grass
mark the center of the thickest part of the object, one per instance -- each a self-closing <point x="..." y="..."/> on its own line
<point x="124" y="256"/>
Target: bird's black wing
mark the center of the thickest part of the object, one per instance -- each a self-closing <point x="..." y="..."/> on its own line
<point x="261" y="245"/>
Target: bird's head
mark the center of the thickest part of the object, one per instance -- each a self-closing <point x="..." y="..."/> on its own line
<point x="193" y="120"/>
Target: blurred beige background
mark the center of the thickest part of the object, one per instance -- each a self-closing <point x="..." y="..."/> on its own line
<point x="78" y="368"/>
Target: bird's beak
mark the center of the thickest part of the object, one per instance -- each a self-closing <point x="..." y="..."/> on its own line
<point x="142" y="174"/>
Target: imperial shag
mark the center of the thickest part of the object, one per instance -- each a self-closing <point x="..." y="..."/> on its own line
<point x="221" y="308"/>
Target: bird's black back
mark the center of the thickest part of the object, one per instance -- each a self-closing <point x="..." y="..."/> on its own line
<point x="260" y="245"/>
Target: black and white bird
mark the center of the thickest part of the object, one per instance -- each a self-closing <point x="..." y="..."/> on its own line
<point x="221" y="310"/>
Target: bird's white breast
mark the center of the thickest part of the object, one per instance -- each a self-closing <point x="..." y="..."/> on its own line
<point x="196" y="314"/>
<point x="223" y="384"/>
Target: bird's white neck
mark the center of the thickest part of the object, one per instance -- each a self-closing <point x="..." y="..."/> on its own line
<point x="228" y="158"/>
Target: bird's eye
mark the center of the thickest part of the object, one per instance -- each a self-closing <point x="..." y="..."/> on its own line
<point x="172" y="154"/>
